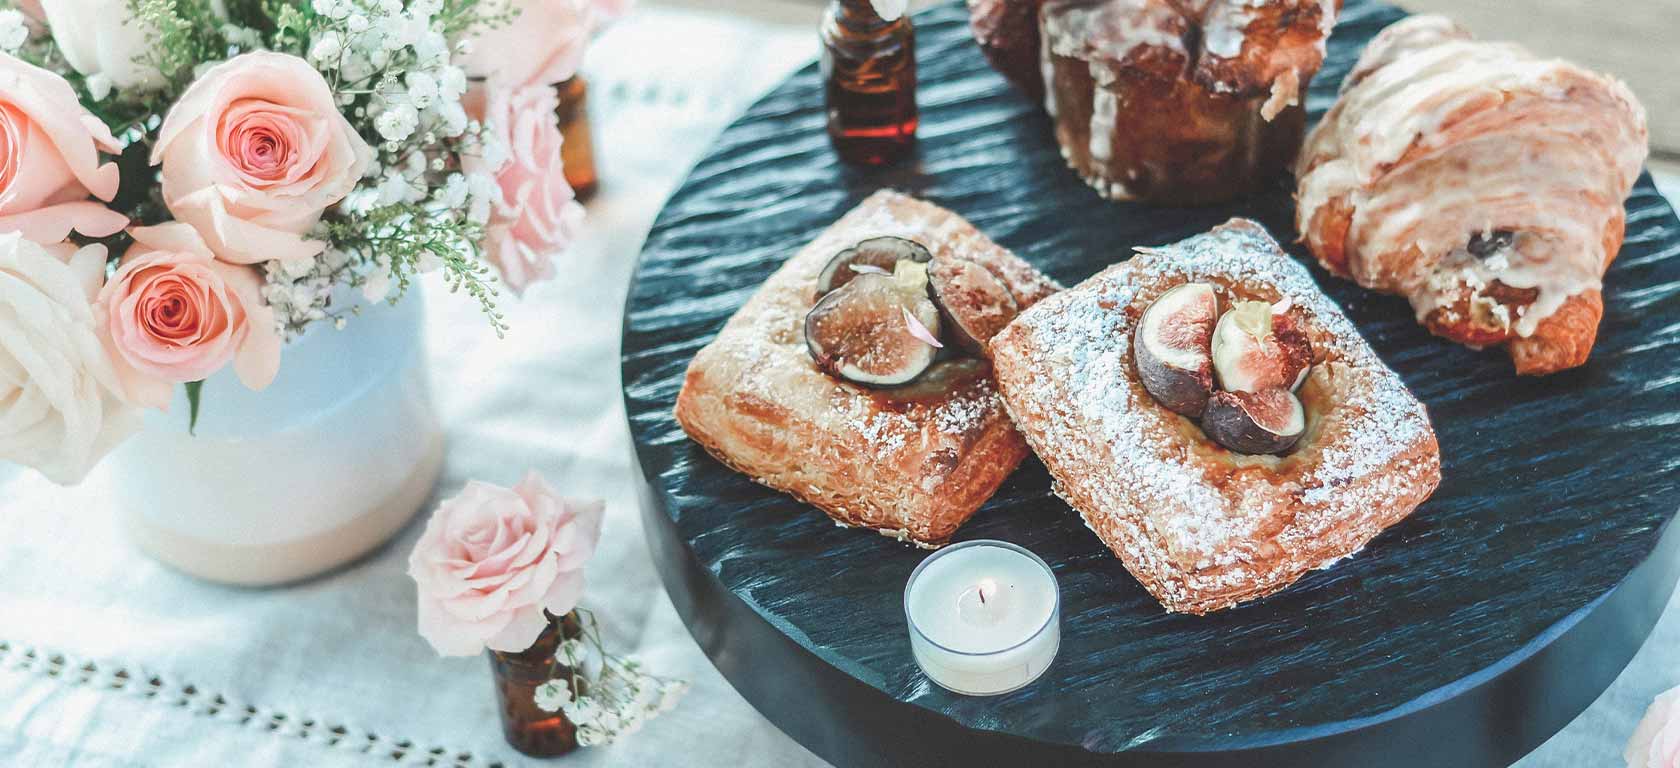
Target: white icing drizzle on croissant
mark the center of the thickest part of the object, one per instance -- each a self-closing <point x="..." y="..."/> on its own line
<point x="1438" y="137"/>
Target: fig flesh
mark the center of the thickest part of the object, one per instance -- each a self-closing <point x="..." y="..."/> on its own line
<point x="1171" y="348"/>
<point x="862" y="331"/>
<point x="1257" y="348"/>
<point x="973" y="303"/>
<point x="1270" y="421"/>
<point x="877" y="255"/>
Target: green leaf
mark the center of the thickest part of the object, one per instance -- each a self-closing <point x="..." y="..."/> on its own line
<point x="193" y="388"/>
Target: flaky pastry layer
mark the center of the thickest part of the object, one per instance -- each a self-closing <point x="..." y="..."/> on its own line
<point x="915" y="469"/>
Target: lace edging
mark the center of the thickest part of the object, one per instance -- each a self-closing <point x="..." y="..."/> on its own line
<point x="71" y="670"/>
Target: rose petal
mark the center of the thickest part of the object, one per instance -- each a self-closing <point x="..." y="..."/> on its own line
<point x="523" y="628"/>
<point x="918" y="330"/>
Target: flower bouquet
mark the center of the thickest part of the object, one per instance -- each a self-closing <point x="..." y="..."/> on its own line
<point x="189" y="189"/>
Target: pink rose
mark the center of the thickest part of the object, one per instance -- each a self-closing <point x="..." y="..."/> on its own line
<point x="1656" y="742"/>
<point x="173" y="313"/>
<point x="492" y="560"/>
<point x="543" y="45"/>
<point x="32" y="9"/>
<point x="253" y="153"/>
<point x="538" y="214"/>
<point x="49" y="159"/>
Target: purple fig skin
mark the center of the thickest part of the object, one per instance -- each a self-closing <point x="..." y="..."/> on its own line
<point x="1181" y="390"/>
<point x="1239" y="421"/>
<point x="973" y="304"/>
<point x="879" y="252"/>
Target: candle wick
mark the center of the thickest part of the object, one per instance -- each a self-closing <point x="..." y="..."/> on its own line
<point x="982" y="592"/>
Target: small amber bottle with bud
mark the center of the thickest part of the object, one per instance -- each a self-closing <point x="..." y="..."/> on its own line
<point x="577" y="149"/>
<point x="869" y="75"/>
<point x="528" y="727"/>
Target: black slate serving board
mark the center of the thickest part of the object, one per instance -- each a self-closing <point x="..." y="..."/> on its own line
<point x="1466" y="635"/>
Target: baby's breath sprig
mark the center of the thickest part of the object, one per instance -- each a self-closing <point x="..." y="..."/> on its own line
<point x="617" y="700"/>
<point x="417" y="210"/>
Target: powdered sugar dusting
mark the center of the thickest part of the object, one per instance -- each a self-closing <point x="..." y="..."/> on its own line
<point x="1202" y="519"/>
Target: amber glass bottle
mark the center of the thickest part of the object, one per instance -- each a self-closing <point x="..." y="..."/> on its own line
<point x="529" y="728"/>
<point x="578" y="149"/>
<point x="869" y="72"/>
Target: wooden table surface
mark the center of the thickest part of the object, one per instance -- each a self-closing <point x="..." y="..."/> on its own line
<point x="1632" y="39"/>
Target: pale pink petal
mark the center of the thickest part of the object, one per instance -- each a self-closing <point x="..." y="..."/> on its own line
<point x="564" y="595"/>
<point x="490" y="560"/>
<point x="523" y="628"/>
<point x="1656" y="740"/>
<point x="52" y="106"/>
<point x="455" y="638"/>
<point x="240" y="241"/>
<point x="920" y="331"/>
<point x="54" y="223"/>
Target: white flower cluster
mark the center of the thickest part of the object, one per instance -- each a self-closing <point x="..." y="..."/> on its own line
<point x="401" y="58"/>
<point x="617" y="701"/>
<point x="391" y="68"/>
<point x="14" y="31"/>
<point x="300" y="292"/>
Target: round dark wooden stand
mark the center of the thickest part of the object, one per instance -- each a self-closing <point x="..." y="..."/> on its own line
<point x="1465" y="636"/>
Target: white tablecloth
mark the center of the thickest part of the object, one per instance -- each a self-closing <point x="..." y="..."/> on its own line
<point x="108" y="659"/>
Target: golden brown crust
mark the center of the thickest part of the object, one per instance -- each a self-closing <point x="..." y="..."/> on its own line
<point x="911" y="465"/>
<point x="1563" y="340"/>
<point x="1200" y="527"/>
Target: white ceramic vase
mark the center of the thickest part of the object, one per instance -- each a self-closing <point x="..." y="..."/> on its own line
<point x="323" y="466"/>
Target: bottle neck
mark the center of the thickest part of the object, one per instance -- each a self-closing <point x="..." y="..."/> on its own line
<point x="859" y="17"/>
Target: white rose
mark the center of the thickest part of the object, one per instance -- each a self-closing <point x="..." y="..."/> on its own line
<point x="59" y="411"/>
<point x="102" y="37"/>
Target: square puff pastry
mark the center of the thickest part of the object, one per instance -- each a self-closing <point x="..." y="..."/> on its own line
<point x="914" y="467"/>
<point x="1201" y="527"/>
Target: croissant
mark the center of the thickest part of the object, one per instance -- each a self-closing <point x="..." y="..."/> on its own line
<point x="1481" y="182"/>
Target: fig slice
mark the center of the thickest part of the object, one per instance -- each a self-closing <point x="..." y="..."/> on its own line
<point x="861" y="332"/>
<point x="878" y="255"/>
<point x="1256" y="347"/>
<point x="1269" y="421"/>
<point x="973" y="303"/>
<point x="1171" y="348"/>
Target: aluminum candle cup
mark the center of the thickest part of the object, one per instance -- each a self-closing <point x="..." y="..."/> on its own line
<point x="985" y="617"/>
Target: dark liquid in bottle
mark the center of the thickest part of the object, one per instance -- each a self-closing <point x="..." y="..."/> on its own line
<point x="528" y="727"/>
<point x="869" y="68"/>
<point x="578" y="150"/>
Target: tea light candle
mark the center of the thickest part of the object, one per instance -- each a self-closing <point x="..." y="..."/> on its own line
<point x="985" y="617"/>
